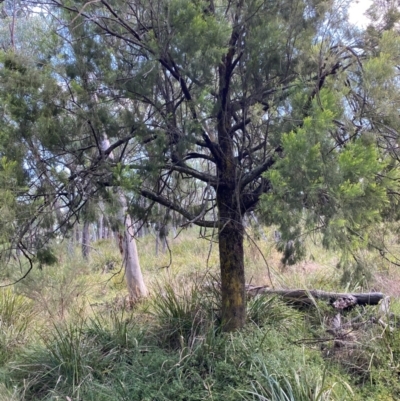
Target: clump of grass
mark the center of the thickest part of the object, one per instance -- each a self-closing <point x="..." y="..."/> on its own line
<point x="271" y="310"/>
<point x="184" y="314"/>
<point x="297" y="387"/>
<point x="9" y="394"/>
<point x="116" y="330"/>
<point x="17" y="314"/>
<point x="65" y="361"/>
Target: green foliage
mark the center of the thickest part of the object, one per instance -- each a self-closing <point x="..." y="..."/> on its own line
<point x="8" y="204"/>
<point x="46" y="257"/>
<point x="200" y="46"/>
<point x="340" y="191"/>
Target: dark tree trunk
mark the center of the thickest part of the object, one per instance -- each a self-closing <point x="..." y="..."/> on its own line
<point x="230" y="227"/>
<point x="162" y="234"/>
<point x="231" y="256"/>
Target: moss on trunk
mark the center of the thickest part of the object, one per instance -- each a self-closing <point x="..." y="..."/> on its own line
<point x="231" y="263"/>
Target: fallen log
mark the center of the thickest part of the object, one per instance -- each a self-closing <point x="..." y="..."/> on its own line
<point x="337" y="299"/>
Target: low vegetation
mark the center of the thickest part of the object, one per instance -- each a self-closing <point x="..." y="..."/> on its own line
<point x="67" y="332"/>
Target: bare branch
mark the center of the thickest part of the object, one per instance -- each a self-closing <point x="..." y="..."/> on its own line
<point x="173" y="206"/>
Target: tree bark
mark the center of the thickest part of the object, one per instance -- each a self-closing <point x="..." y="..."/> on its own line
<point x="100" y="227"/>
<point x="134" y="278"/>
<point x="127" y="244"/>
<point x="230" y="228"/>
<point x="231" y="255"/>
<point x="71" y="248"/>
<point x="77" y="234"/>
<point x="85" y="240"/>
<point x="157" y="241"/>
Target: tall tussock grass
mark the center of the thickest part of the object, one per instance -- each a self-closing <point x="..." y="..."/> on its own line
<point x="185" y="312"/>
<point x="299" y="386"/>
<point x="66" y="358"/>
<point x="17" y="315"/>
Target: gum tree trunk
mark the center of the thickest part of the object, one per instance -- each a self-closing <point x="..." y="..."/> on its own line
<point x="127" y="243"/>
<point x="133" y="273"/>
<point x="100" y="227"/>
<point x="85" y="240"/>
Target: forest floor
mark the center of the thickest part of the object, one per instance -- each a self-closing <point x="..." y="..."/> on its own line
<point x="67" y="332"/>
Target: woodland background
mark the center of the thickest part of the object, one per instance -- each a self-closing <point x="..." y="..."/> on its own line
<point x="156" y="158"/>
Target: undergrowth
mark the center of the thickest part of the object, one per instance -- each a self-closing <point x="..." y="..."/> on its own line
<point x="66" y="334"/>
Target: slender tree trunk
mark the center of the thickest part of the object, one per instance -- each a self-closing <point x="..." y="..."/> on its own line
<point x="100" y="222"/>
<point x="86" y="240"/>
<point x="77" y="233"/>
<point x="134" y="278"/>
<point x="133" y="274"/>
<point x="163" y="234"/>
<point x="164" y="244"/>
<point x="71" y="247"/>
<point x="161" y="238"/>
<point x="157" y="241"/>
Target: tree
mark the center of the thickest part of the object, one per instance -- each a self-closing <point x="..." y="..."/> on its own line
<point x="212" y="106"/>
<point x="50" y="204"/>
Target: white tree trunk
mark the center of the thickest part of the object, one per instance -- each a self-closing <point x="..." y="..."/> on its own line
<point x="100" y="227"/>
<point x="157" y="242"/>
<point x="77" y="233"/>
<point x="134" y="278"/>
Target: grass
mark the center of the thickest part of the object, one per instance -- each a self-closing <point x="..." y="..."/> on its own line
<point x="298" y="386"/>
<point x="66" y="332"/>
<point x="16" y="322"/>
